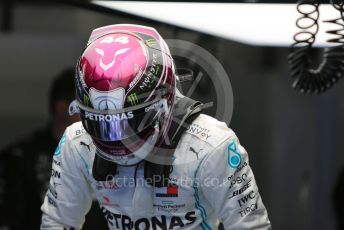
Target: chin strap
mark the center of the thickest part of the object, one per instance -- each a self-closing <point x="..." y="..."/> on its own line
<point x="186" y="110"/>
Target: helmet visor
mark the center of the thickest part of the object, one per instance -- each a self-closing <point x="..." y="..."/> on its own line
<point x="114" y="125"/>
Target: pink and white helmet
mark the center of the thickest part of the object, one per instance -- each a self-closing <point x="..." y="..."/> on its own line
<point x="125" y="82"/>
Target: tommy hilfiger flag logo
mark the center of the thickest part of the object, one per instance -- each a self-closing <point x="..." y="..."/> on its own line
<point x="169" y="191"/>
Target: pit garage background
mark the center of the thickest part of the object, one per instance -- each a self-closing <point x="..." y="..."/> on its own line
<point x="295" y="141"/>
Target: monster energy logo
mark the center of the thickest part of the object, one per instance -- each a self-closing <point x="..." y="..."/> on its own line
<point x="157" y="69"/>
<point x="150" y="42"/>
<point x="132" y="98"/>
<point x="86" y="100"/>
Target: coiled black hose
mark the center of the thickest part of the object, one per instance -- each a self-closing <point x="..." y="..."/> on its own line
<point x="331" y="68"/>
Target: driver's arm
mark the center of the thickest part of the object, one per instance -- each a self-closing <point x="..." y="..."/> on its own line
<point x="69" y="196"/>
<point x="235" y="197"/>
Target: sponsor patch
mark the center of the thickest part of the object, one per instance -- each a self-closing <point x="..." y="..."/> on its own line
<point x="121" y="221"/>
<point x="102" y="100"/>
<point x="169" y="191"/>
<point x="243" y="200"/>
<point x="234" y="157"/>
<point x="199" y="131"/>
<point x="109" y="117"/>
<point x="248" y="209"/>
<point x="55" y="173"/>
<point x="168" y="206"/>
<point x="241" y="190"/>
<point x="80" y="131"/>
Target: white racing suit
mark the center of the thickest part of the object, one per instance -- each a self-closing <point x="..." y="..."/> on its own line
<point x="211" y="181"/>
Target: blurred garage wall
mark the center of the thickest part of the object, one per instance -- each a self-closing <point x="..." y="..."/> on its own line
<point x="41" y="41"/>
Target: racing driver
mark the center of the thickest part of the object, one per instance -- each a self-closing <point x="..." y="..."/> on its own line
<point x="147" y="153"/>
